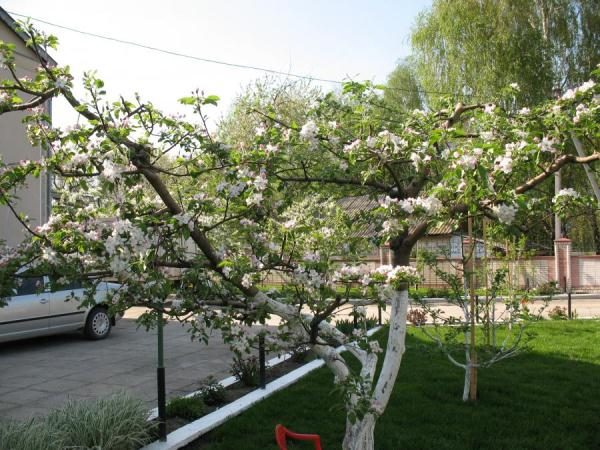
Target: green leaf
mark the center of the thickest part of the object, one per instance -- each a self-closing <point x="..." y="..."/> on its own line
<point x="187" y="100"/>
<point x="211" y="100"/>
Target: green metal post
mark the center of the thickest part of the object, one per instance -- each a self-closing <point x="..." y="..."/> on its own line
<point x="160" y="379"/>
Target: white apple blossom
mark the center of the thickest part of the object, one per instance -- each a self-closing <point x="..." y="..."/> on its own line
<point x="312" y="256"/>
<point x="60" y="83"/>
<point x="547" y="144"/>
<point x="352" y="146"/>
<point x="407" y="205"/>
<point x="468" y="162"/>
<point x="110" y="171"/>
<point x="568" y="192"/>
<point x="361" y="311"/>
<point x="581" y="110"/>
<point x="236" y="189"/>
<point x="260" y="130"/>
<point x="569" y="95"/>
<point x="247" y="281"/>
<point x="374" y="347"/>
<point x="309" y="131"/>
<point x="505" y="213"/>
<point x="489" y="108"/>
<point x="270" y="148"/>
<point x="515" y="86"/>
<point x="254" y="199"/>
<point x="288" y="225"/>
<point x="388" y="201"/>
<point x="431" y="205"/>
<point x="260" y="182"/>
<point x="487" y="135"/>
<point x="524" y="111"/>
<point x="586" y="86"/>
<point x="504" y="163"/>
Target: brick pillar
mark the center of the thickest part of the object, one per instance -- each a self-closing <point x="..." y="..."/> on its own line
<point x="562" y="263"/>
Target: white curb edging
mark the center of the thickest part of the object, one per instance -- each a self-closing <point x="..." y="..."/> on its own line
<point x="226" y="382"/>
<point x="193" y="430"/>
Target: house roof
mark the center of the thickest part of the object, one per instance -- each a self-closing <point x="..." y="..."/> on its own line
<point x="355" y="205"/>
<point x="11" y="23"/>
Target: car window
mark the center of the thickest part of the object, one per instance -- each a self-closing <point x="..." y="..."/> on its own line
<point x="71" y="286"/>
<point x="30" y="285"/>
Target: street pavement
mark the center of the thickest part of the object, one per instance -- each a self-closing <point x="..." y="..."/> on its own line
<point x="39" y="374"/>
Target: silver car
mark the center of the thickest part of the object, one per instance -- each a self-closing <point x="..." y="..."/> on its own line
<point x="36" y="311"/>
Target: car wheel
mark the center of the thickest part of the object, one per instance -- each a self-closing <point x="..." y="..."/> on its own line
<point x="98" y="324"/>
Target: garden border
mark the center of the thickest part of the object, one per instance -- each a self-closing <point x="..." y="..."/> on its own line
<point x="188" y="433"/>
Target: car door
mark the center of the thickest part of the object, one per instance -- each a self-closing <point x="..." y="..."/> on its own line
<point x="26" y="313"/>
<point x="65" y="313"/>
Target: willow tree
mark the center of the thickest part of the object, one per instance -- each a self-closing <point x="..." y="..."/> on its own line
<point x="225" y="214"/>
<point x="476" y="47"/>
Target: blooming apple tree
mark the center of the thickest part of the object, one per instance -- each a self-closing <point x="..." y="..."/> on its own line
<point x="142" y="193"/>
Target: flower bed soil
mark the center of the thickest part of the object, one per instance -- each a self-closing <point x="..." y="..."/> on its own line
<point x="234" y="392"/>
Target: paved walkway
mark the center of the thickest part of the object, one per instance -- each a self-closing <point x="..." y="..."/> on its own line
<point x="40" y="374"/>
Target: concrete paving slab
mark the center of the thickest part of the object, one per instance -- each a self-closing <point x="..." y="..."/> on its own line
<point x="40" y="374"/>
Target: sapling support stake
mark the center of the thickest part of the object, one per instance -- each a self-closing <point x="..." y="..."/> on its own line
<point x="262" y="362"/>
<point x="160" y="382"/>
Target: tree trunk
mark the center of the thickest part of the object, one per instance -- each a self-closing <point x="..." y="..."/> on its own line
<point x="359" y="435"/>
<point x="467" y="386"/>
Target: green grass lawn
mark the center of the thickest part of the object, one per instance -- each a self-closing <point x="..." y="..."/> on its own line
<point x="547" y="398"/>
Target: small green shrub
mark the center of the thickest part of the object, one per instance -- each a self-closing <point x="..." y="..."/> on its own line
<point x="371" y="322"/>
<point x="346" y="326"/>
<point x="549" y="288"/>
<point x="416" y="316"/>
<point x="190" y="408"/>
<point x="558" y="313"/>
<point x="246" y="370"/>
<point x="213" y="393"/>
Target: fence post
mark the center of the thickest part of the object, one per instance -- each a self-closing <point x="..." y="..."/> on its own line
<point x="262" y="362"/>
<point x="379" y="314"/>
<point x="569" y="304"/>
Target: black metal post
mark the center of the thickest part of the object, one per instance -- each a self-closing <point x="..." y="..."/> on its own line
<point x="569" y="304"/>
<point x="160" y="383"/>
<point x="379" y="314"/>
<point x="261" y="361"/>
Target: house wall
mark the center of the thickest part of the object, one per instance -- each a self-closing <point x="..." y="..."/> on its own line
<point x="14" y="147"/>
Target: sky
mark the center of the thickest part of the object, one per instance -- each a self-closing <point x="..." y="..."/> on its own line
<point x="331" y="39"/>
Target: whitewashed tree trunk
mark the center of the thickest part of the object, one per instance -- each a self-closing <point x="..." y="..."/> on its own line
<point x="360" y="435"/>
<point x="467" y="387"/>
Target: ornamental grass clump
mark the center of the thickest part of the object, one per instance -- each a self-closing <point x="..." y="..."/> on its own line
<point x="117" y="422"/>
<point x="28" y="435"/>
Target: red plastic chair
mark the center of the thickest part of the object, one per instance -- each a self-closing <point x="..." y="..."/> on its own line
<point x="282" y="433"/>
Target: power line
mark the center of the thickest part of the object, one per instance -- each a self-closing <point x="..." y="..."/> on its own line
<point x="209" y="60"/>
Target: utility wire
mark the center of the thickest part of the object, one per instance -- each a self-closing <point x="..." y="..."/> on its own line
<point x="213" y="61"/>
